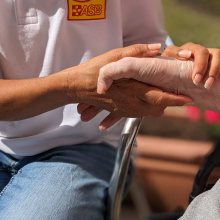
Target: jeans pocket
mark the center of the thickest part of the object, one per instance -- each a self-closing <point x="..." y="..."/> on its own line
<point x="25" y="12"/>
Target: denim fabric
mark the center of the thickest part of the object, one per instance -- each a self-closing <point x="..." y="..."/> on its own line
<point x="64" y="183"/>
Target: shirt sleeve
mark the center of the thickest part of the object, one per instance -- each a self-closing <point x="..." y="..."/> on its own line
<point x="142" y="22"/>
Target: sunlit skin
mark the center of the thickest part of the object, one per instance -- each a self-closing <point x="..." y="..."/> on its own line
<point x="168" y="74"/>
<point x="21" y="99"/>
<point x="206" y="61"/>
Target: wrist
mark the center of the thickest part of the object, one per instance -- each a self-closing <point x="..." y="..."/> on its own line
<point x="57" y="88"/>
<point x="207" y="99"/>
<point x="81" y="85"/>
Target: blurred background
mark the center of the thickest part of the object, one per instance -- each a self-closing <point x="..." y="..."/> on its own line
<point x="173" y="147"/>
<point x="194" y="21"/>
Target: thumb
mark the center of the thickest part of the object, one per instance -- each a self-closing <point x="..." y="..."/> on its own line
<point x="124" y="68"/>
<point x="170" y="99"/>
<point x="137" y="50"/>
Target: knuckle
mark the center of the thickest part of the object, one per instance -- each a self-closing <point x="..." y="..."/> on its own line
<point x="206" y="51"/>
<point x="109" y="70"/>
<point x="187" y="45"/>
<point x="126" y="60"/>
<point x="159" y="101"/>
<point x="156" y="101"/>
<point x="203" y="50"/>
<point x="138" y="49"/>
<point x="170" y="49"/>
<point x="125" y="64"/>
<point x="118" y="53"/>
<point x="102" y="71"/>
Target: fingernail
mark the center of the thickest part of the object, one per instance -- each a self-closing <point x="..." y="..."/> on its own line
<point x="189" y="104"/>
<point x="197" y="79"/>
<point x="185" y="53"/>
<point x="154" y="46"/>
<point x="209" y="82"/>
<point x="101" y="88"/>
<point x="101" y="128"/>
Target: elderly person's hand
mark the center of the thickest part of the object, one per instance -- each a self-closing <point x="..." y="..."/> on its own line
<point x="206" y="64"/>
<point x="126" y="97"/>
<point x="160" y="73"/>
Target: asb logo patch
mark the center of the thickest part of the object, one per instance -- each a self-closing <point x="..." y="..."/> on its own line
<point x="86" y="9"/>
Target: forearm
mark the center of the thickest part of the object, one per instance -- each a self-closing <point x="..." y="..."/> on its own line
<point x="203" y="98"/>
<point x="21" y="99"/>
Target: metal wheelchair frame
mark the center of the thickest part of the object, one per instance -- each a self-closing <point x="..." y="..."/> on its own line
<point x="117" y="183"/>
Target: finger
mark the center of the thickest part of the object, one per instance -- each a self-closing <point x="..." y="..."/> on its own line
<point x="90" y="113"/>
<point x="213" y="69"/>
<point x="156" y="111"/>
<point x="124" y="68"/>
<point x="137" y="50"/>
<point x="177" y="52"/>
<point x="201" y="59"/>
<point x="170" y="99"/>
<point x="82" y="107"/>
<point x="155" y="96"/>
<point x="110" y="120"/>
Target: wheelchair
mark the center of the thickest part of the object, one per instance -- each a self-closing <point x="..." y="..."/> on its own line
<point x="117" y="183"/>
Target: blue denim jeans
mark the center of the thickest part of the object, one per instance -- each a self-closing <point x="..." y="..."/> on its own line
<point x="65" y="183"/>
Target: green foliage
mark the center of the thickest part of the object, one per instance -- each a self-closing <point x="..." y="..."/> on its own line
<point x="185" y="23"/>
<point x="213" y="6"/>
<point x="213" y="131"/>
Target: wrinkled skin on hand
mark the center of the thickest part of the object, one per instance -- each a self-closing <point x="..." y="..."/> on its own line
<point x="168" y="74"/>
<point x="126" y="97"/>
<point x="129" y="98"/>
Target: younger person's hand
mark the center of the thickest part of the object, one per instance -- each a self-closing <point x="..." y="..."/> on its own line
<point x="206" y="61"/>
<point x="155" y="100"/>
<point x="206" y="68"/>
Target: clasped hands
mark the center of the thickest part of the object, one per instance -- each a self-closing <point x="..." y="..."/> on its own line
<point x="134" y="83"/>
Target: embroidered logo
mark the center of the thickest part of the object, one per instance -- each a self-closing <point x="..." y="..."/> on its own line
<point x="86" y="9"/>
